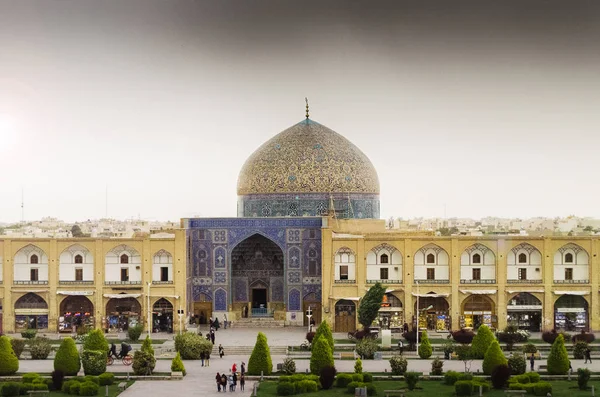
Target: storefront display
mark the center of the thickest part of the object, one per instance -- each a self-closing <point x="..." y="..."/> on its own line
<point x="478" y="309"/>
<point x="32" y="321"/>
<point x="390" y="314"/>
<point x="122" y="313"/>
<point x="162" y="316"/>
<point x="76" y="310"/>
<point x="434" y="313"/>
<point x="525" y="311"/>
<point x="31" y="312"/>
<point x="571" y="313"/>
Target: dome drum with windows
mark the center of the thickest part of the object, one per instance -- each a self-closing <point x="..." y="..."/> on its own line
<point x="308" y="170"/>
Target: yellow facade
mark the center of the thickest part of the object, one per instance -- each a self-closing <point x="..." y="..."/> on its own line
<point x="54" y="290"/>
<point x="362" y="236"/>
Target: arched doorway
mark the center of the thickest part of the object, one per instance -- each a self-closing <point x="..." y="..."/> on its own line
<point x="434" y="312"/>
<point x="75" y="311"/>
<point x="202" y="309"/>
<point x="162" y="316"/>
<point x="571" y="313"/>
<point x="311" y="301"/>
<point x="31" y="311"/>
<point x="391" y="313"/>
<point x="257" y="263"/>
<point x="123" y="313"/>
<point x="525" y="311"/>
<point x="345" y="316"/>
<point x="478" y="310"/>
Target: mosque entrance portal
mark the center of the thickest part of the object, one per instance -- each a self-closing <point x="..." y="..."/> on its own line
<point x="258" y="272"/>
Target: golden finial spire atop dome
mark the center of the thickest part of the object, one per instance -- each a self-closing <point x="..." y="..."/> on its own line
<point x="306" y="99"/>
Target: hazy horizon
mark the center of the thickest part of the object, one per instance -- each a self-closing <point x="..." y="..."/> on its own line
<point x="470" y="109"/>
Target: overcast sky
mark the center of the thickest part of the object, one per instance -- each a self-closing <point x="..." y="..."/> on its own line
<point x="485" y="108"/>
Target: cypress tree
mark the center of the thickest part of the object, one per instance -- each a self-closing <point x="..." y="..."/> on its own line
<point x="493" y="358"/>
<point x="67" y="358"/>
<point x="482" y="341"/>
<point x="321" y="356"/>
<point x="370" y="305"/>
<point x="324" y="330"/>
<point x="260" y="359"/>
<point x="425" y="349"/>
<point x="558" y="360"/>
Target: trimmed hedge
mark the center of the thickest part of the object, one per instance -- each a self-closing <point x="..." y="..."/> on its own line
<point x="558" y="360"/>
<point x="579" y="350"/>
<point x="321" y="356"/>
<point x="94" y="362"/>
<point x="88" y="389"/>
<point x="398" y="364"/>
<point x="463" y="388"/>
<point x="177" y="365"/>
<point x="325" y="330"/>
<point x="134" y="332"/>
<point x="95" y="340"/>
<point x="343" y="380"/>
<point x="67" y="358"/>
<point x="358" y="366"/>
<point x="18" y="346"/>
<point x="260" y="359"/>
<point x="40" y="348"/>
<point x="493" y="358"/>
<point x="463" y="336"/>
<point x="451" y="377"/>
<point x="106" y="379"/>
<point x="327" y="377"/>
<point x="481" y="342"/>
<point x="285" y="389"/>
<point x="425" y="349"/>
<point x="517" y="365"/>
<point x="190" y="346"/>
<point x="10" y="389"/>
<point x="143" y="363"/>
<point x="147" y="345"/>
<point x="9" y="363"/>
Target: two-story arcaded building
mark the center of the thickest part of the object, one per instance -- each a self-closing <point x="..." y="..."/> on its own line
<point x="536" y="283"/>
<point x="56" y="284"/>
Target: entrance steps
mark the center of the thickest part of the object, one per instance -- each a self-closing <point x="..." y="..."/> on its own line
<point x="246" y="351"/>
<point x="258" y="322"/>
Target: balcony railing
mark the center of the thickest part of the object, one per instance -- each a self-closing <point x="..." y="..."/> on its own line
<point x="433" y="281"/>
<point x="122" y="283"/>
<point x="30" y="282"/>
<point x="486" y="281"/>
<point x="524" y="281"/>
<point x="571" y="281"/>
<point x="162" y="282"/>
<point x="344" y="281"/>
<point x="386" y="281"/>
<point x="261" y="312"/>
<point x="76" y="282"/>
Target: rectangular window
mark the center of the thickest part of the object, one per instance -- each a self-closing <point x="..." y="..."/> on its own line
<point x="312" y="233"/>
<point x="522" y="273"/>
<point x="383" y="273"/>
<point x="569" y="273"/>
<point x="312" y="267"/>
<point x="344" y="272"/>
<point x="78" y="274"/>
<point x="476" y="274"/>
<point x="124" y="274"/>
<point x="33" y="274"/>
<point x="430" y="273"/>
<point x="164" y="273"/>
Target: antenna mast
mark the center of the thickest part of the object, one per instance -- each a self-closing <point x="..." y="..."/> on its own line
<point x="22" y="206"/>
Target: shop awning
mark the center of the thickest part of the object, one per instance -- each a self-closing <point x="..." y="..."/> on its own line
<point x="348" y="298"/>
<point x="390" y="309"/>
<point x="571" y="292"/>
<point x="479" y="291"/>
<point x="165" y="296"/>
<point x="30" y="290"/>
<point x="75" y="293"/>
<point x="387" y="291"/>
<point x="530" y="290"/>
<point x="122" y="296"/>
<point x="431" y="295"/>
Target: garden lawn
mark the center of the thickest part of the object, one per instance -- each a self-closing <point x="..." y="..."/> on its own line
<point x="113" y="390"/>
<point x="432" y="388"/>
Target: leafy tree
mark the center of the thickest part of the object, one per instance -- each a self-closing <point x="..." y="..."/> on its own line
<point x="482" y="341"/>
<point x="9" y="363"/>
<point x="67" y="358"/>
<point x="321" y="357"/>
<point x="76" y="231"/>
<point x="464" y="354"/>
<point x="358" y="366"/>
<point x="370" y="305"/>
<point x="260" y="359"/>
<point x="558" y="360"/>
<point x="147" y="345"/>
<point x="493" y="358"/>
<point x="324" y="330"/>
<point x="177" y="364"/>
<point x="425" y="349"/>
<point x="95" y="340"/>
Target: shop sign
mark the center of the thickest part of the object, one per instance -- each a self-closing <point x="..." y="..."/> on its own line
<point x="570" y="310"/>
<point x="75" y="293"/>
<point x="524" y="307"/>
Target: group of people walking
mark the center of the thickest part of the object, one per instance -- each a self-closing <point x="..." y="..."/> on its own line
<point x="224" y="380"/>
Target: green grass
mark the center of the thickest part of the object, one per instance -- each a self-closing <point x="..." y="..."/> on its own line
<point x="113" y="390"/>
<point x="432" y="388"/>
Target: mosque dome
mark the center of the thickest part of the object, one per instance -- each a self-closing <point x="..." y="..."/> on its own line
<point x="308" y="158"/>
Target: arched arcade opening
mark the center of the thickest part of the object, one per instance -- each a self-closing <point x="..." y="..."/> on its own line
<point x="345" y="316"/>
<point x="525" y="311"/>
<point x="123" y="311"/>
<point x="162" y="316"/>
<point x="478" y="309"/>
<point x="75" y="311"/>
<point x="433" y="312"/>
<point x="571" y="313"/>
<point x="31" y="312"/>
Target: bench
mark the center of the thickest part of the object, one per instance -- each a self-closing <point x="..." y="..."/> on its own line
<point x="400" y="391"/>
<point x="543" y="367"/>
<point x="347" y="355"/>
<point x="38" y="393"/>
<point x="516" y="392"/>
<point x="122" y="386"/>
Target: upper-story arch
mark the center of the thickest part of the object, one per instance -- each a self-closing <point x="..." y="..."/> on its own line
<point x="431" y="265"/>
<point x="345" y="266"/>
<point x="571" y="265"/>
<point x="384" y="263"/>
<point x="524" y="264"/>
<point x="478" y="265"/>
<point x="123" y="265"/>
<point x="31" y="265"/>
<point x="162" y="267"/>
<point x="76" y="265"/>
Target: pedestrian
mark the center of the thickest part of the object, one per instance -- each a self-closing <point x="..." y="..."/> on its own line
<point x="405" y="327"/>
<point x="242" y="382"/>
<point x="224" y="382"/>
<point x="210" y="322"/>
<point x="532" y="362"/>
<point x="224" y="321"/>
<point x="400" y="346"/>
<point x="218" y="378"/>
<point x="212" y="336"/>
<point x="243" y="368"/>
<point x="230" y="382"/>
<point x="234" y="381"/>
<point x="202" y="356"/>
<point x="588" y="355"/>
<point x="234" y="368"/>
<point x="221" y="351"/>
<point x="208" y="359"/>
<point x="570" y="367"/>
<point x="208" y="336"/>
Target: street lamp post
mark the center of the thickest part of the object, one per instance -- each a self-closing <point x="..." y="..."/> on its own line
<point x="418" y="315"/>
<point x="309" y="315"/>
<point x="149" y="310"/>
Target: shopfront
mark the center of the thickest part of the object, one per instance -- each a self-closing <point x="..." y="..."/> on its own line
<point x="345" y="316"/>
<point x="571" y="311"/>
<point x="434" y="311"/>
<point x="478" y="309"/>
<point x="122" y="311"/>
<point x="391" y="314"/>
<point x="162" y="316"/>
<point x="31" y="312"/>
<point x="525" y="311"/>
<point x="76" y="310"/>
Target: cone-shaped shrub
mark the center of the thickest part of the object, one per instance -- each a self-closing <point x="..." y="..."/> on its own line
<point x="482" y="341"/>
<point x="558" y="360"/>
<point x="67" y="358"/>
<point x="324" y="330"/>
<point x="321" y="356"/>
<point x="95" y="340"/>
<point x="425" y="349"/>
<point x="493" y="358"/>
<point x="9" y="363"/>
<point x="260" y="360"/>
<point x="177" y="364"/>
<point x="147" y="345"/>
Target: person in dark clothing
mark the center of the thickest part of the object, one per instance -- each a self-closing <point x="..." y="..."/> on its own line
<point x="221" y="351"/>
<point x="113" y="351"/>
<point x="125" y="349"/>
<point x="532" y="362"/>
<point x="224" y="382"/>
<point x="218" y="379"/>
<point x="588" y="355"/>
<point x="234" y="381"/>
<point x="212" y="337"/>
<point x="243" y="368"/>
<point x="202" y="357"/>
<point x="242" y="382"/>
<point x="208" y="359"/>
